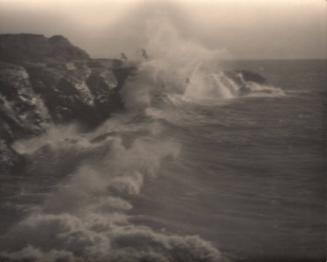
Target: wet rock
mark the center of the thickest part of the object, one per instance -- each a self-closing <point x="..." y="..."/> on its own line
<point x="244" y="78"/>
<point x="22" y="111"/>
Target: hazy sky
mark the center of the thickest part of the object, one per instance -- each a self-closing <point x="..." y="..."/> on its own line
<point x="246" y="28"/>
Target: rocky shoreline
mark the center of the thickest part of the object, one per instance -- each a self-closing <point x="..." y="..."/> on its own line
<point x="46" y="81"/>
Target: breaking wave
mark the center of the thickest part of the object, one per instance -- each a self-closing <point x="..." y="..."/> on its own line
<point x="85" y="219"/>
<point x="180" y="70"/>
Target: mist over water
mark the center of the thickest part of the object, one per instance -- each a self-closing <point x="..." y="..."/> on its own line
<point x="84" y="218"/>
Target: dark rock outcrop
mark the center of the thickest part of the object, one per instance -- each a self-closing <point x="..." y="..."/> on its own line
<point x="48" y="80"/>
<point x="22" y="111"/>
<point x="244" y="78"/>
<point x="75" y="91"/>
<point x="31" y="47"/>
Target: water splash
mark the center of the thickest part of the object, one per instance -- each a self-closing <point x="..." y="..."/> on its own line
<point x="180" y="68"/>
<point x="85" y="218"/>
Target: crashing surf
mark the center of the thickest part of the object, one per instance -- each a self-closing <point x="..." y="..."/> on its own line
<point x="85" y="217"/>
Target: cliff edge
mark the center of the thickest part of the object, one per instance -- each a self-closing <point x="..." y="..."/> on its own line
<point x="32" y="47"/>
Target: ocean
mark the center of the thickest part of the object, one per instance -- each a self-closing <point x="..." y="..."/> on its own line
<point x="251" y="175"/>
<point x="192" y="171"/>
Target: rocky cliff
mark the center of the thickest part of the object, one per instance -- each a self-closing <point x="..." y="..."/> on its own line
<point x="31" y="47"/>
<point x="49" y="80"/>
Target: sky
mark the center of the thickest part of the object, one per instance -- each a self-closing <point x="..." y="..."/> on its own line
<point x="247" y="29"/>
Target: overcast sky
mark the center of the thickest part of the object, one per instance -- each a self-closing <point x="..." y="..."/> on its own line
<point x="246" y="28"/>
